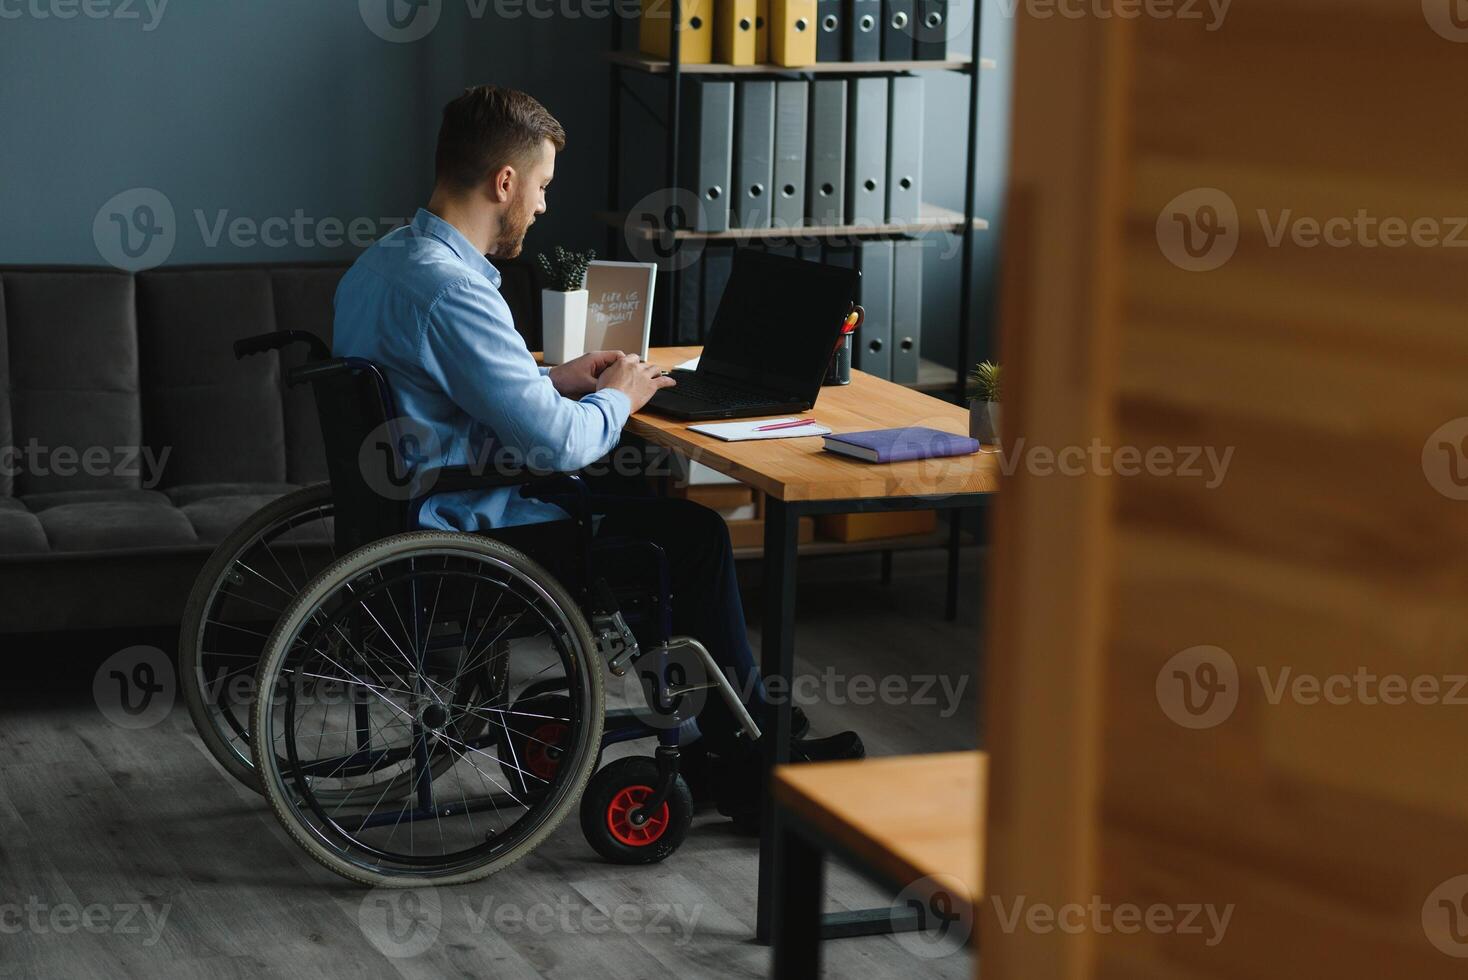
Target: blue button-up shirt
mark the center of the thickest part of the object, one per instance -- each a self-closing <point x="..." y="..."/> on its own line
<point x="425" y="306"/>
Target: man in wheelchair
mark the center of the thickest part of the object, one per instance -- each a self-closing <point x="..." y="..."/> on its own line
<point x="424" y="305"/>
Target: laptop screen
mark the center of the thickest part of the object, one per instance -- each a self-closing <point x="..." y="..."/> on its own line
<point x="778" y="323"/>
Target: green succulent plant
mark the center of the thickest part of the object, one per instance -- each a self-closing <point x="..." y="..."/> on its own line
<point x="984" y="380"/>
<point x="566" y="272"/>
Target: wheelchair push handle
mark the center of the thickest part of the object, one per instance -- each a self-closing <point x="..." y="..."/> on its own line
<point x="262" y="343"/>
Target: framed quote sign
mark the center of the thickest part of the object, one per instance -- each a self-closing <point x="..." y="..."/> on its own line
<point x="619" y="306"/>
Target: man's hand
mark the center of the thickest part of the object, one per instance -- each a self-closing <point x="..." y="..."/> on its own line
<point x="579" y="377"/>
<point x="635" y="378"/>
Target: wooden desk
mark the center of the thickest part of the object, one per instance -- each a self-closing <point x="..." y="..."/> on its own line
<point x="799" y="470"/>
<point x="801" y="479"/>
<point x="914" y="823"/>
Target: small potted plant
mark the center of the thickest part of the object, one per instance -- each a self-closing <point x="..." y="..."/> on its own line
<point x="983" y="411"/>
<point x="563" y="304"/>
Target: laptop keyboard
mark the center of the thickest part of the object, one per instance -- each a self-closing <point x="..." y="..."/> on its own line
<point x="712" y="391"/>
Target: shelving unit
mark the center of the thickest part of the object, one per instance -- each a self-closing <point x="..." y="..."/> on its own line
<point x="933" y="377"/>
<point x="931" y="217"/>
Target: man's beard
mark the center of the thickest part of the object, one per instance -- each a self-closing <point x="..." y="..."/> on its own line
<point x="511" y="241"/>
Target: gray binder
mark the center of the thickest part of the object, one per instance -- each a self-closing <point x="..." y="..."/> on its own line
<point x="754" y="166"/>
<point x="826" y="187"/>
<point x="789" y="187"/>
<point x="897" y="29"/>
<point x="866" y="158"/>
<point x="874" y="338"/>
<point x="863" y="30"/>
<point x="710" y="151"/>
<point x="905" y="149"/>
<point x="907" y="310"/>
<point x="831" y="30"/>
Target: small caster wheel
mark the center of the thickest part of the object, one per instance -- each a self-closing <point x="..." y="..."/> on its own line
<point x="611" y="820"/>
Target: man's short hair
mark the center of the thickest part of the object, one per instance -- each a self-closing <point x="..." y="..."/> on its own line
<point x="488" y="127"/>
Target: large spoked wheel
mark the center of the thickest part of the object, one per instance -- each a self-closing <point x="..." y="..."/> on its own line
<point x="251" y="577"/>
<point x="399" y="682"/>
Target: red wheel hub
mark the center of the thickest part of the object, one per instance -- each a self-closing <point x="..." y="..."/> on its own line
<point x="619" y="817"/>
<point x="543" y="750"/>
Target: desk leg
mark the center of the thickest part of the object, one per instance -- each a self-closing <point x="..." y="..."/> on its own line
<point x="955" y="544"/>
<point x="777" y="663"/>
<point x="798" y="931"/>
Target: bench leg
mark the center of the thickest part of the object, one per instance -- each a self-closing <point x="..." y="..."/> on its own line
<point x="797" y="932"/>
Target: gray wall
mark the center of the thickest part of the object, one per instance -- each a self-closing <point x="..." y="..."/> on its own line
<point x="298" y="112"/>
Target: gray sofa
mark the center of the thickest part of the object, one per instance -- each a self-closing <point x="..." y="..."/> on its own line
<point x="133" y="441"/>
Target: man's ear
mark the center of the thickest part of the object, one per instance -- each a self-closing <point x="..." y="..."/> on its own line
<point x="501" y="185"/>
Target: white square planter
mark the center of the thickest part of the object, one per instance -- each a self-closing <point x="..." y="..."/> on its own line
<point x="563" y="324"/>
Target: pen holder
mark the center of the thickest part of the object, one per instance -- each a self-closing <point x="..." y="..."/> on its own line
<point x="838" y="372"/>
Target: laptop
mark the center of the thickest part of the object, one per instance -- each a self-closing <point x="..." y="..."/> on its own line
<point x="770" y="343"/>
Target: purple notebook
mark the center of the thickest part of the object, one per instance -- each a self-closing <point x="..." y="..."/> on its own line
<point x="896" y="445"/>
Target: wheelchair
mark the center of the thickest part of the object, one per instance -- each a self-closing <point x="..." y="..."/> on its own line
<point x="426" y="707"/>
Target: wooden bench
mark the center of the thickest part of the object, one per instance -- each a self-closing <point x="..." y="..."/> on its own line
<point x="913" y="823"/>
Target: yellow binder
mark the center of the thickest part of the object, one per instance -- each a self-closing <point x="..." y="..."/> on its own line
<point x="734" y="31"/>
<point x="761" y="31"/>
<point x="793" y="33"/>
<point x="696" y="41"/>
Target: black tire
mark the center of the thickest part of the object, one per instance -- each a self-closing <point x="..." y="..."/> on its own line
<point x="331" y="838"/>
<point x="605" y="804"/>
<point x="226" y="736"/>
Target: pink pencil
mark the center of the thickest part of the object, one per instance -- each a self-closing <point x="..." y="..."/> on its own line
<point x="785" y="425"/>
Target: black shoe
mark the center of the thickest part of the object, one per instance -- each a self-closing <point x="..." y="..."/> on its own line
<point x="738" y="782"/>
<point x="799" y="723"/>
<point x="846" y="745"/>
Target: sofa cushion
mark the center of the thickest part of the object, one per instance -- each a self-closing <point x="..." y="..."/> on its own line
<point x="212" y="519"/>
<point x="73" y="375"/>
<point x="194" y="492"/>
<point x="108" y="526"/>
<point x="37" y="502"/>
<point x="10" y="503"/>
<point x="21" y="533"/>
<point x="220" y="418"/>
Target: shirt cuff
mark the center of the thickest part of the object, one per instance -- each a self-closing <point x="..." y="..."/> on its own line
<point x="544" y="370"/>
<point x="621" y="404"/>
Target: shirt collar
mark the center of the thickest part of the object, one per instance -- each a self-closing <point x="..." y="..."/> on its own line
<point x="425" y="222"/>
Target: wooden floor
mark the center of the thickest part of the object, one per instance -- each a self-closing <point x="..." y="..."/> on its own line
<point x="127" y="853"/>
